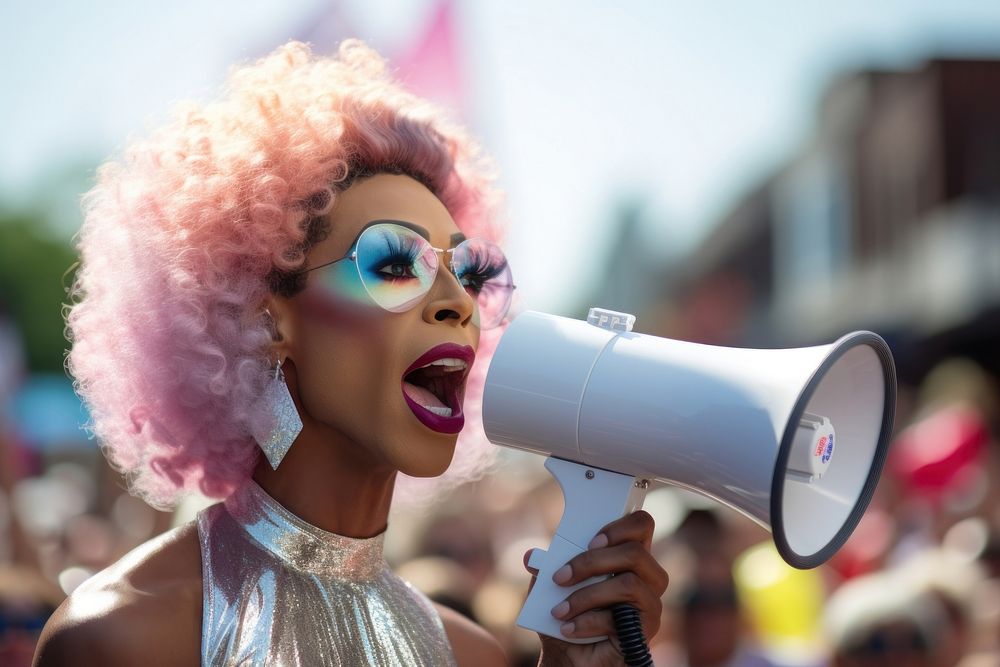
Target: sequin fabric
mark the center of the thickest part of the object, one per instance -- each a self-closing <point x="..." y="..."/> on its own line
<point x="283" y="593"/>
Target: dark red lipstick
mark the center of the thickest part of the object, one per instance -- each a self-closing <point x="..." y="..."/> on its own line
<point x="442" y="383"/>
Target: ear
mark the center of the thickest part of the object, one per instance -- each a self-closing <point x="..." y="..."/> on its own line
<point x="278" y="312"/>
<point x="282" y="316"/>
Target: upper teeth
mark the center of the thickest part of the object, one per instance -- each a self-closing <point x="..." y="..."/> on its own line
<point x="449" y="363"/>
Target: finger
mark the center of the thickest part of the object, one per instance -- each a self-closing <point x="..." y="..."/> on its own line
<point x="595" y="623"/>
<point x="625" y="588"/>
<point x="635" y="527"/>
<point x="598" y="623"/>
<point x="627" y="557"/>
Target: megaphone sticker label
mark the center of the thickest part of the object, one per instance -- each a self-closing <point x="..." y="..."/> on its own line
<point x="824" y="448"/>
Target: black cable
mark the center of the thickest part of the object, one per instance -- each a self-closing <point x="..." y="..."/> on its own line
<point x="630" y="637"/>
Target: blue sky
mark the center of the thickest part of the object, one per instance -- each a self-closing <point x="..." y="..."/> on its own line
<point x="684" y="104"/>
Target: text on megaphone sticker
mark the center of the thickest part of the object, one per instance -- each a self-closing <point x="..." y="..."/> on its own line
<point x="824" y="448"/>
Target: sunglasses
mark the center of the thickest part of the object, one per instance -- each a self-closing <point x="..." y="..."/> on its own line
<point x="394" y="266"/>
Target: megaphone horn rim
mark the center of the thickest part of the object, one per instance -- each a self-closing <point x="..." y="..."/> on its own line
<point x="839" y="348"/>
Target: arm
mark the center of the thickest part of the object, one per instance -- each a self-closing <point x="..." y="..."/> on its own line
<point x="110" y="630"/>
<point x="144" y="610"/>
<point x="472" y="645"/>
<point x="89" y="643"/>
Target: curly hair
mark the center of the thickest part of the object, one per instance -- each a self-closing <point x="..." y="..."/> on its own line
<point x="192" y="227"/>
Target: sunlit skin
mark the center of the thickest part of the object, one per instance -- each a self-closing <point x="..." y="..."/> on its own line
<point x="344" y="363"/>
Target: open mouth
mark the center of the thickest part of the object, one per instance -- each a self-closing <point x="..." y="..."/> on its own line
<point x="438" y="386"/>
<point x="434" y="386"/>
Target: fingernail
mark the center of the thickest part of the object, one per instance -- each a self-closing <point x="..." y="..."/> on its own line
<point x="600" y="540"/>
<point x="567" y="628"/>
<point x="563" y="574"/>
<point x="560" y="609"/>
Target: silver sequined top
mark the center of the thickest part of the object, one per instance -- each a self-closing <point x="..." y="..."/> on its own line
<point x="281" y="592"/>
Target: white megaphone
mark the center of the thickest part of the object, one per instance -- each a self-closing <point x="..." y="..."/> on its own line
<point x="794" y="439"/>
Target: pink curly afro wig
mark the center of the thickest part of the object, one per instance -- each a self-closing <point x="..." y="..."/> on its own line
<point x="186" y="234"/>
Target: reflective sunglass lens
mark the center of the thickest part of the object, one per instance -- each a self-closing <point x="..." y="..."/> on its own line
<point x="397" y="266"/>
<point x="483" y="270"/>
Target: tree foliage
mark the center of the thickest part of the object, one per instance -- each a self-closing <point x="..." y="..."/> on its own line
<point x="35" y="270"/>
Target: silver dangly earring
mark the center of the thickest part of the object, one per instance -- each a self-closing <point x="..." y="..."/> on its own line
<point x="287" y="423"/>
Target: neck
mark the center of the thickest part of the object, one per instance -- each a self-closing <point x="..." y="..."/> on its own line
<point x="332" y="484"/>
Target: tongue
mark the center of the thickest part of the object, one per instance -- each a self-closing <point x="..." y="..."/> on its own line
<point x="422" y="396"/>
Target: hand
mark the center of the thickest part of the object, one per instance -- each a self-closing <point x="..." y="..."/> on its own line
<point x="621" y="548"/>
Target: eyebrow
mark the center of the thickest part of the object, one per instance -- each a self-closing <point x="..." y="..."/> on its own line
<point x="409" y="225"/>
<point x="455" y="239"/>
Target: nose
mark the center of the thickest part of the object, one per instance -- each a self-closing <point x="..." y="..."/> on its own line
<point x="448" y="301"/>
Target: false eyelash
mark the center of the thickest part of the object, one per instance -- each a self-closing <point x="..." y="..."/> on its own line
<point x="401" y="247"/>
<point x="398" y="250"/>
<point x="482" y="268"/>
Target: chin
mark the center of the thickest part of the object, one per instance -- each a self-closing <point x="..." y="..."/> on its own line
<point x="434" y="463"/>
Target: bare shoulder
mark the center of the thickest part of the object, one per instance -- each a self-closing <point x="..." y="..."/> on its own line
<point x="145" y="609"/>
<point x="471" y="644"/>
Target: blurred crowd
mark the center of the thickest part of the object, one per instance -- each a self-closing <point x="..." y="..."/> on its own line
<point x="918" y="584"/>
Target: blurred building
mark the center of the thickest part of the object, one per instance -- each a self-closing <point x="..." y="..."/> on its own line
<point x="888" y="219"/>
<point x="630" y="259"/>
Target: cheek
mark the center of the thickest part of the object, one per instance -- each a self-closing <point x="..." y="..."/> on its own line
<point x="346" y="359"/>
<point x="321" y="307"/>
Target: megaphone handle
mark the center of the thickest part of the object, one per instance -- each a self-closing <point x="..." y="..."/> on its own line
<point x="593" y="499"/>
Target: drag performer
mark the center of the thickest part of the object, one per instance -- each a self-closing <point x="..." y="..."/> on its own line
<point x="279" y="305"/>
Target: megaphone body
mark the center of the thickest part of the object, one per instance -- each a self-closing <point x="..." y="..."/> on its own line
<point x="795" y="439"/>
